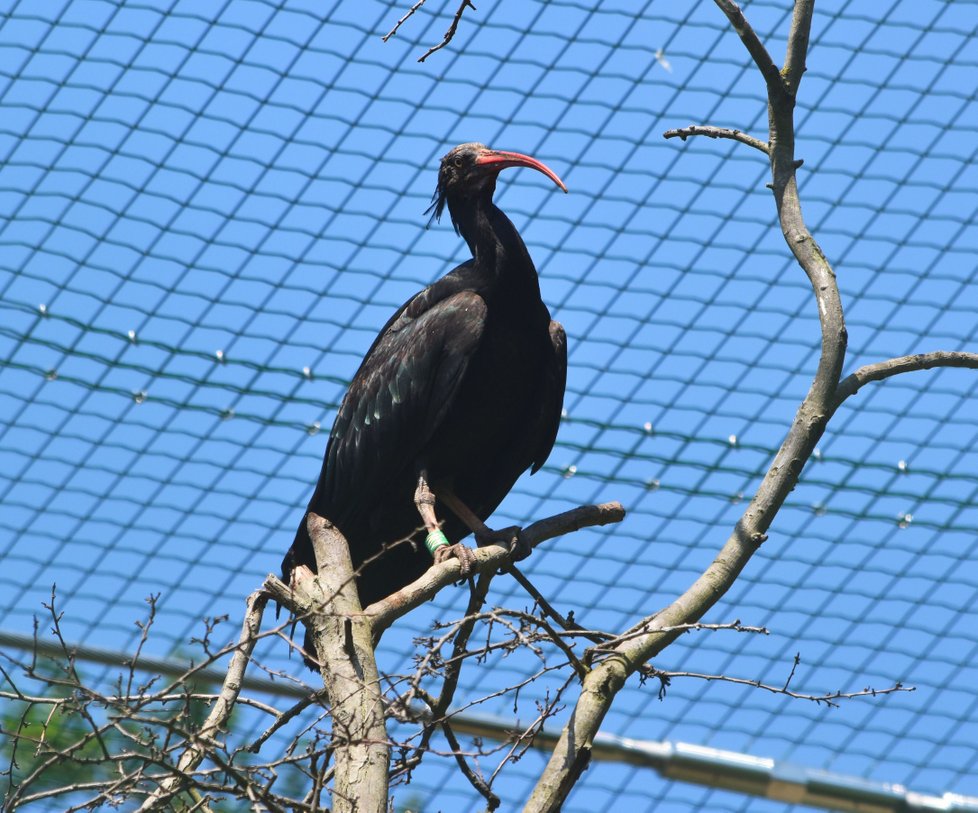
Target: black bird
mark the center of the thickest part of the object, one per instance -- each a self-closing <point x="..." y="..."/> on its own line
<point x="459" y="394"/>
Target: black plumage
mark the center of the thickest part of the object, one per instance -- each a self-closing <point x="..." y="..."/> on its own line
<point x="464" y="384"/>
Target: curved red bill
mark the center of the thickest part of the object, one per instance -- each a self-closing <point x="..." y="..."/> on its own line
<point x="499" y="160"/>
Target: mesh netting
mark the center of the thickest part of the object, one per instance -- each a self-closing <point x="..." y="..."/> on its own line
<point x="209" y="208"/>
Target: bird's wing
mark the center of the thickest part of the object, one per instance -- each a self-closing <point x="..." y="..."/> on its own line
<point x="399" y="396"/>
<point x="553" y="396"/>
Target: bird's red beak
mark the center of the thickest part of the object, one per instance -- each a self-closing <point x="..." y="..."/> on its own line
<point x="498" y="160"/>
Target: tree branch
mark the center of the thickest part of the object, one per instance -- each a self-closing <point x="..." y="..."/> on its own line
<point x="573" y="751"/>
<point x="718" y="132"/>
<point x="794" y="60"/>
<point x="449" y="34"/>
<point x="198" y="749"/>
<point x="477" y="781"/>
<point x="409" y="13"/>
<point x="754" y="45"/>
<point x="383" y="613"/>
<point x="330" y="608"/>
<point x="828" y="699"/>
<point x="853" y="382"/>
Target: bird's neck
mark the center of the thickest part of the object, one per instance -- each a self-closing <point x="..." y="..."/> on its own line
<point x="495" y="243"/>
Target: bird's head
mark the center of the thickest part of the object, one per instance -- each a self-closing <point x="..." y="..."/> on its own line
<point x="469" y="171"/>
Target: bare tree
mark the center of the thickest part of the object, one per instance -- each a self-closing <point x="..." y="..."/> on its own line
<point x="153" y="742"/>
<point x="824" y="398"/>
<point x="155" y="746"/>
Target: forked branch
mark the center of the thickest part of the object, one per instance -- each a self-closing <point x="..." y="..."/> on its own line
<point x="655" y="632"/>
<point x="344" y="648"/>
<point x="344" y="635"/>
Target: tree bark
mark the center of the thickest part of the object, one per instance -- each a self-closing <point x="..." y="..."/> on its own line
<point x="344" y="647"/>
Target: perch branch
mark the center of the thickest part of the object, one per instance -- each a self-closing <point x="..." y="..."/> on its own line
<point x="383" y="613"/>
<point x="330" y="607"/>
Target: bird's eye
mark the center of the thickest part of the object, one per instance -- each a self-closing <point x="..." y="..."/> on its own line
<point x="458" y="161"/>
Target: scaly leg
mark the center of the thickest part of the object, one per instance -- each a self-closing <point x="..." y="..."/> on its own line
<point x="510" y="537"/>
<point x="424" y="499"/>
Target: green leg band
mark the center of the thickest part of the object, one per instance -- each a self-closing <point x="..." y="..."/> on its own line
<point x="435" y="540"/>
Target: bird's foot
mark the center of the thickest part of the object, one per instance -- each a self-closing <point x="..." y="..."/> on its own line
<point x="464" y="554"/>
<point x="510" y="538"/>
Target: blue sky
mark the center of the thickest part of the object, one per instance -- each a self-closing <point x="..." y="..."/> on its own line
<point x="178" y="179"/>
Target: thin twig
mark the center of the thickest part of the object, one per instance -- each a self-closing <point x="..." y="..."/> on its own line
<point x="401" y="22"/>
<point x="548" y="609"/>
<point x="828" y="698"/>
<point x="791" y="674"/>
<point x="735" y="626"/>
<point x="477" y="782"/>
<point x="547" y="709"/>
<point x="449" y="34"/>
<point x="195" y="751"/>
<point x="451" y="30"/>
<point x="284" y="717"/>
<point x="461" y="633"/>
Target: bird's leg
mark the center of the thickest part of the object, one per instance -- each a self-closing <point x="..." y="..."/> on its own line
<point x="425" y="502"/>
<point x="510" y="537"/>
<point x="436" y="543"/>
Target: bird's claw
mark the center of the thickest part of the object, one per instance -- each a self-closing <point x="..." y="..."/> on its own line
<point x="464" y="554"/>
<point x="510" y="538"/>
